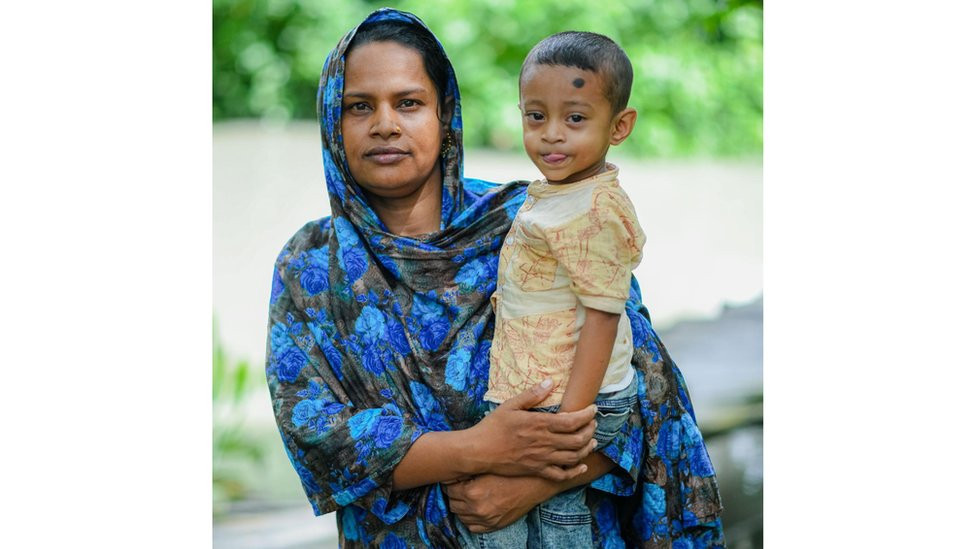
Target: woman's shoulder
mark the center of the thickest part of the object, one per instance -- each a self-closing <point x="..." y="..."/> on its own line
<point x="482" y="186"/>
<point x="312" y="235"/>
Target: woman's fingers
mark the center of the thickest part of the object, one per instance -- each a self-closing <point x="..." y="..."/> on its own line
<point x="475" y="524"/>
<point x="454" y="490"/>
<point x="572" y="457"/>
<point x="529" y="397"/>
<point x="559" y="474"/>
<point x="458" y="506"/>
<point x="574" y="441"/>
<point x="461" y="504"/>
<point x="446" y="483"/>
<point x="456" y="502"/>
<point x="570" y="422"/>
<point x="564" y="458"/>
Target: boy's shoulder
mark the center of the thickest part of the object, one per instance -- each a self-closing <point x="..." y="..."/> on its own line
<point x="610" y="196"/>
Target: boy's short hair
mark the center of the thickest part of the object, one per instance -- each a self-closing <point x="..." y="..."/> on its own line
<point x="588" y="51"/>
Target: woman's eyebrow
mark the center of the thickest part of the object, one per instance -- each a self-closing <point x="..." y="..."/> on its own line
<point x="367" y="95"/>
<point x="363" y="95"/>
<point x="412" y="91"/>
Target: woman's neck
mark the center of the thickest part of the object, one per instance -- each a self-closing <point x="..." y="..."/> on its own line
<point x="411" y="215"/>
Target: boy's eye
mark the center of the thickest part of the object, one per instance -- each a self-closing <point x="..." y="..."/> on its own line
<point x="576" y="118"/>
<point x="537" y="116"/>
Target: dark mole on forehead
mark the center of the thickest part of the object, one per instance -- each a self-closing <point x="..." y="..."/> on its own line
<point x="578" y="82"/>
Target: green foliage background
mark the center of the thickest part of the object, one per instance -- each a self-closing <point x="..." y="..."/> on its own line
<point x="697" y="63"/>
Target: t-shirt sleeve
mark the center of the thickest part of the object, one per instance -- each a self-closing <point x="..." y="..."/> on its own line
<point x="599" y="249"/>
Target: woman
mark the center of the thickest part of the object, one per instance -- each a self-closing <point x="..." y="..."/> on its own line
<point x="379" y="330"/>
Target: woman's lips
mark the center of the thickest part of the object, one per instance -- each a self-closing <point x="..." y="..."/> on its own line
<point x="553" y="158"/>
<point x="386" y="155"/>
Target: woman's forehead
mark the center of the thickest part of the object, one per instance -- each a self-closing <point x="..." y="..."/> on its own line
<point x="385" y="66"/>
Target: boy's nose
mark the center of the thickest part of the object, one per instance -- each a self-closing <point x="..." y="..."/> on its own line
<point x="552" y="134"/>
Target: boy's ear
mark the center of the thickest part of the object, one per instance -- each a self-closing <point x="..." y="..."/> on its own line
<point x="622" y="125"/>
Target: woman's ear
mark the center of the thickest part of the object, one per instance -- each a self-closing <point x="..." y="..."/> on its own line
<point x="622" y="125"/>
<point x="446" y="113"/>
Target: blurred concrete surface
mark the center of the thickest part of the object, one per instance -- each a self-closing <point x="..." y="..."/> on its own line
<point x="293" y="527"/>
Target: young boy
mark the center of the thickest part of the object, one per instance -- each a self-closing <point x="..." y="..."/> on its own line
<point x="565" y="268"/>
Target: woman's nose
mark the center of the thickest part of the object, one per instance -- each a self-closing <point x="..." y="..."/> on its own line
<point x="385" y="123"/>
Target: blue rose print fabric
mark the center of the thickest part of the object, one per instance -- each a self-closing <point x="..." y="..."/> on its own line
<point x="375" y="339"/>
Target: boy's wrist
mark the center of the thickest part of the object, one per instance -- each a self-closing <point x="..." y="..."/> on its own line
<point x="543" y="489"/>
<point x="571" y="404"/>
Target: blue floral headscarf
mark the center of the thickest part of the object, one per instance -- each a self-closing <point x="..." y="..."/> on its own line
<point x="375" y="339"/>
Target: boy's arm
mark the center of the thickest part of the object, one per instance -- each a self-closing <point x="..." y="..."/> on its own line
<point x="592" y="356"/>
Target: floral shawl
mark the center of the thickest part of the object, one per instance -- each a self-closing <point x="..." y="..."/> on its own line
<point x="375" y="339"/>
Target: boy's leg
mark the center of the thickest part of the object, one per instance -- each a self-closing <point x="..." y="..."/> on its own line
<point x="565" y="520"/>
<point x="613" y="410"/>
<point x="561" y="521"/>
<point x="513" y="535"/>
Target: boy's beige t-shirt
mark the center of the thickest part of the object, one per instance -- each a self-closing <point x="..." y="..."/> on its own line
<point x="570" y="245"/>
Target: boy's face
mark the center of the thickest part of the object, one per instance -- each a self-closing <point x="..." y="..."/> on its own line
<point x="567" y="123"/>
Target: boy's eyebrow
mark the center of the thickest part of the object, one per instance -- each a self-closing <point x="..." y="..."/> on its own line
<point x="575" y="102"/>
<point x="569" y="103"/>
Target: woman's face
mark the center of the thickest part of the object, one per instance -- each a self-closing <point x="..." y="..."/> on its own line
<point x="390" y="126"/>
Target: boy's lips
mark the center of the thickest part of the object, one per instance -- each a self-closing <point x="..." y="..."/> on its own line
<point x="553" y="158"/>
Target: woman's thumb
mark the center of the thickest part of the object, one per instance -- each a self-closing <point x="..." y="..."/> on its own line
<point x="532" y="396"/>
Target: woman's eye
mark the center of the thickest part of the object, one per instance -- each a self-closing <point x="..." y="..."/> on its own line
<point x="360" y="107"/>
<point x="409" y="103"/>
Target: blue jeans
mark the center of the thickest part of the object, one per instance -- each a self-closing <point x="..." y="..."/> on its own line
<point x="562" y="521"/>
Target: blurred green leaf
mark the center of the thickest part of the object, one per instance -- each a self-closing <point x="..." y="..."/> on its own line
<point x="232" y="444"/>
<point x="219" y="363"/>
<point x="240" y="381"/>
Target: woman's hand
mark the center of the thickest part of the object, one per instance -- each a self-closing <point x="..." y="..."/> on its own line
<point x="489" y="502"/>
<point x="513" y="441"/>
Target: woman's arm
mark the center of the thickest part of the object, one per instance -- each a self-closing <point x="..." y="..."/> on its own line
<point x="343" y="447"/>
<point x="489" y="502"/>
<point x="510" y="441"/>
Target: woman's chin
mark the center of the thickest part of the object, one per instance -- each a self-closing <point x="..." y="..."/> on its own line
<point x="392" y="188"/>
